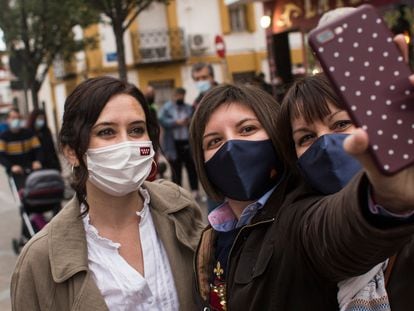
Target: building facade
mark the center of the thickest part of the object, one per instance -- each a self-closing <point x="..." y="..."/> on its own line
<point x="162" y="44"/>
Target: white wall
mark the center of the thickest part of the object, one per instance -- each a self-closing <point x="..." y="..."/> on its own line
<point x="200" y="17"/>
<point x="45" y="95"/>
<point x="153" y="18"/>
<point x="245" y="41"/>
<point x="108" y="44"/>
<point x="60" y="96"/>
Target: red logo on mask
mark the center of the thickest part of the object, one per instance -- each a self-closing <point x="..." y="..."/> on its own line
<point x="144" y="151"/>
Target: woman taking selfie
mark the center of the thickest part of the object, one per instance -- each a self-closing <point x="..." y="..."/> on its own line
<point x="276" y="244"/>
<point x="121" y="243"/>
<point x="314" y="125"/>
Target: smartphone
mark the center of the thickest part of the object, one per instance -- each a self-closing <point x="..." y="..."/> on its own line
<point x="370" y="75"/>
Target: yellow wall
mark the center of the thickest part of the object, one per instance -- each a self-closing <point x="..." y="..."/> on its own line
<point x="159" y="73"/>
<point x="94" y="56"/>
<point x="245" y="62"/>
<point x="224" y="17"/>
<point x="172" y="20"/>
<point x="133" y="31"/>
<point x="296" y="56"/>
<point x="250" y="18"/>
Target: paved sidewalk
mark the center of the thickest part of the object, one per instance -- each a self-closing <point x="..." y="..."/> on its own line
<point x="9" y="229"/>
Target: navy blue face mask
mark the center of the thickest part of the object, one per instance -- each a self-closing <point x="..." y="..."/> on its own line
<point x="245" y="170"/>
<point x="326" y="166"/>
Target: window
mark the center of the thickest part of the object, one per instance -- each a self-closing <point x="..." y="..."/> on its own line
<point x="238" y="18"/>
<point x="163" y="91"/>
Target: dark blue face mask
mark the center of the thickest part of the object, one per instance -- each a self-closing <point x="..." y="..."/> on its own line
<point x="326" y="166"/>
<point x="245" y="170"/>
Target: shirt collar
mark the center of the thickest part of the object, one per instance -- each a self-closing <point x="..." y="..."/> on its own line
<point x="93" y="233"/>
<point x="223" y="219"/>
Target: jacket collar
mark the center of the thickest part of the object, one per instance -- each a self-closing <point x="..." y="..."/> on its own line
<point x="166" y="203"/>
<point x="67" y="243"/>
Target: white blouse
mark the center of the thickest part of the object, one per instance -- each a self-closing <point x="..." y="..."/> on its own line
<point x="123" y="287"/>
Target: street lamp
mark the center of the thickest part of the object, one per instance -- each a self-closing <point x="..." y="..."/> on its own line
<point x="265" y="21"/>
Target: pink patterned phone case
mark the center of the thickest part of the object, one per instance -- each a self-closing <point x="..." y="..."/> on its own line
<point x="367" y="70"/>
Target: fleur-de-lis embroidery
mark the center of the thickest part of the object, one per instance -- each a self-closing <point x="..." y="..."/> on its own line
<point x="218" y="270"/>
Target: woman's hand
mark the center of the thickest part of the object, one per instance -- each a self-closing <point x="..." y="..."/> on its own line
<point x="396" y="192"/>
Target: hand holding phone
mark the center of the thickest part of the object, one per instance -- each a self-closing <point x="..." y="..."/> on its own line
<point x="368" y="72"/>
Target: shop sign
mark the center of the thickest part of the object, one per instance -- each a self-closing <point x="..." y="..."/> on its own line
<point x="304" y="14"/>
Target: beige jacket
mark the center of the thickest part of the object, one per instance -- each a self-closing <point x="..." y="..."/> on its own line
<point x="52" y="270"/>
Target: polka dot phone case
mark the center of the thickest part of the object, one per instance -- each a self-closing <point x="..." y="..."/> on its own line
<point x="367" y="70"/>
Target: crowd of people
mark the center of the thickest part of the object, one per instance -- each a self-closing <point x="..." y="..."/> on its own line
<point x="300" y="217"/>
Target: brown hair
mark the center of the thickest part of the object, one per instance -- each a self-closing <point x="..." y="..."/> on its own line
<point x="308" y="98"/>
<point x="199" y="66"/>
<point x="263" y="105"/>
<point x="82" y="109"/>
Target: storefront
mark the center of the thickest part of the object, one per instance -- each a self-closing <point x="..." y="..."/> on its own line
<point x="289" y="21"/>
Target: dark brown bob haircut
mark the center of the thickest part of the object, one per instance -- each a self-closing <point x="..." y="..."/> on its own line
<point x="263" y="105"/>
<point x="307" y="98"/>
<point x="82" y="109"/>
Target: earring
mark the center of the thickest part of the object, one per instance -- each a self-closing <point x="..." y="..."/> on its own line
<point x="73" y="168"/>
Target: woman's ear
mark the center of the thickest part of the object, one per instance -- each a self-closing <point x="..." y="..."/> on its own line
<point x="70" y="155"/>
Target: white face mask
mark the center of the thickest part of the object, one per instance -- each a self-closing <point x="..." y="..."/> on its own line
<point x="122" y="168"/>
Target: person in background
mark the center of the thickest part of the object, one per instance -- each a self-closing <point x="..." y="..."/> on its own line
<point x="3" y="126"/>
<point x="121" y="243"/>
<point x="150" y="98"/>
<point x="275" y="243"/>
<point x="160" y="165"/>
<point x="37" y="123"/>
<point x="203" y="76"/>
<point x="260" y="81"/>
<point x="175" y="117"/>
<point x="20" y="150"/>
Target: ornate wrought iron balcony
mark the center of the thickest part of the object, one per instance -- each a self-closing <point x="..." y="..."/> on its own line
<point x="159" y="46"/>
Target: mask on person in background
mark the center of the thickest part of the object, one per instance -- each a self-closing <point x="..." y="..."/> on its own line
<point x="122" y="168"/>
<point x="180" y="102"/>
<point x="245" y="170"/>
<point x="326" y="166"/>
<point x="203" y="85"/>
<point x="39" y="123"/>
<point x="15" y="124"/>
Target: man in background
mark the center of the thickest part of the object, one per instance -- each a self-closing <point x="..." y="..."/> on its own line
<point x="203" y="76"/>
<point x="175" y="117"/>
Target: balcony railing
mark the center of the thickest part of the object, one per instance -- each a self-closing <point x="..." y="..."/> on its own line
<point x="157" y="46"/>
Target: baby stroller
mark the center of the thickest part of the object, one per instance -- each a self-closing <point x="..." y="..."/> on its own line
<point x="42" y="192"/>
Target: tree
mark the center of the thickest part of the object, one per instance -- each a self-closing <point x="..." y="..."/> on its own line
<point x="121" y="14"/>
<point x="38" y="31"/>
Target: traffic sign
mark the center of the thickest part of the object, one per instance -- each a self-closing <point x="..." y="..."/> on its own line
<point x="220" y="46"/>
